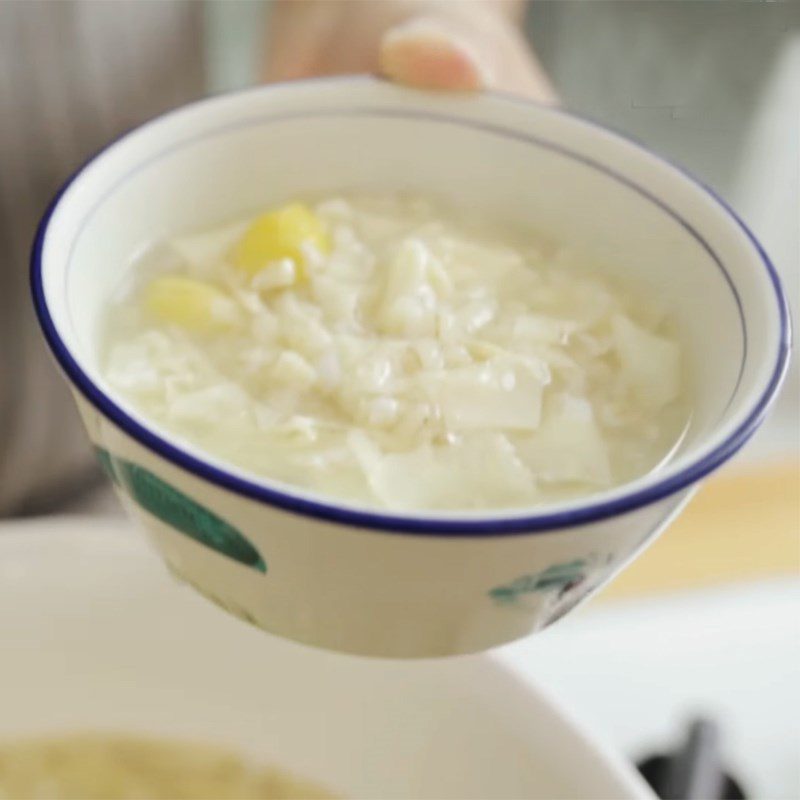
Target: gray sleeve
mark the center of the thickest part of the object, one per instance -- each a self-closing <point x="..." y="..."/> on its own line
<point x="73" y="75"/>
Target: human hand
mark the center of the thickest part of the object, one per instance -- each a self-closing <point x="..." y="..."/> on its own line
<point x="455" y="45"/>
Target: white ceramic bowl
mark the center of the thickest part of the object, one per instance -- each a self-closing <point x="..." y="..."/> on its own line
<point x="359" y="580"/>
<point x="95" y="637"/>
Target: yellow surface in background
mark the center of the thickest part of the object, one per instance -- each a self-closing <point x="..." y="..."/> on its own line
<point x="742" y="525"/>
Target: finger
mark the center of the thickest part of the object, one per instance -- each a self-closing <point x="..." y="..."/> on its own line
<point x="426" y="53"/>
<point x="463" y="49"/>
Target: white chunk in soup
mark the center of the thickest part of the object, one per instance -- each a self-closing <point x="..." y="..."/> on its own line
<point x="381" y="351"/>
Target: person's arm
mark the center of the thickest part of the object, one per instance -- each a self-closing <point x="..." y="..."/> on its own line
<point x="433" y="44"/>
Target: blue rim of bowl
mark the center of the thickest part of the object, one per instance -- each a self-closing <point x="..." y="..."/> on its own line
<point x="527" y="523"/>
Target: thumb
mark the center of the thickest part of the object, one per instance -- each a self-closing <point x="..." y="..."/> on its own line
<point x="427" y="53"/>
<point x="460" y="53"/>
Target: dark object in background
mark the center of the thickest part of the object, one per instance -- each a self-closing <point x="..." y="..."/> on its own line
<point x="694" y="771"/>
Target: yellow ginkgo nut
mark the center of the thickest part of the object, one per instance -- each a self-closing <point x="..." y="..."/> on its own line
<point x="280" y="234"/>
<point x="187" y="302"/>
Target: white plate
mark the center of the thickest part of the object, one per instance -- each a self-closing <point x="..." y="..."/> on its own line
<point x="96" y="635"/>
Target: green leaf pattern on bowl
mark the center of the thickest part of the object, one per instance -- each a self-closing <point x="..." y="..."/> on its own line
<point x="180" y="511"/>
<point x="557" y="578"/>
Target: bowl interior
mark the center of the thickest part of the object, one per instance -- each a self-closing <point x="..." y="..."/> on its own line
<point x="528" y="166"/>
<point x="99" y="638"/>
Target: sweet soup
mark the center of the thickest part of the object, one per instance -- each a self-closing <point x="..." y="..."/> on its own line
<point x="385" y="352"/>
<point x="101" y="767"/>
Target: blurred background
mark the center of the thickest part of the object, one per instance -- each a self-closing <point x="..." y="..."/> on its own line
<point x="707" y="620"/>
